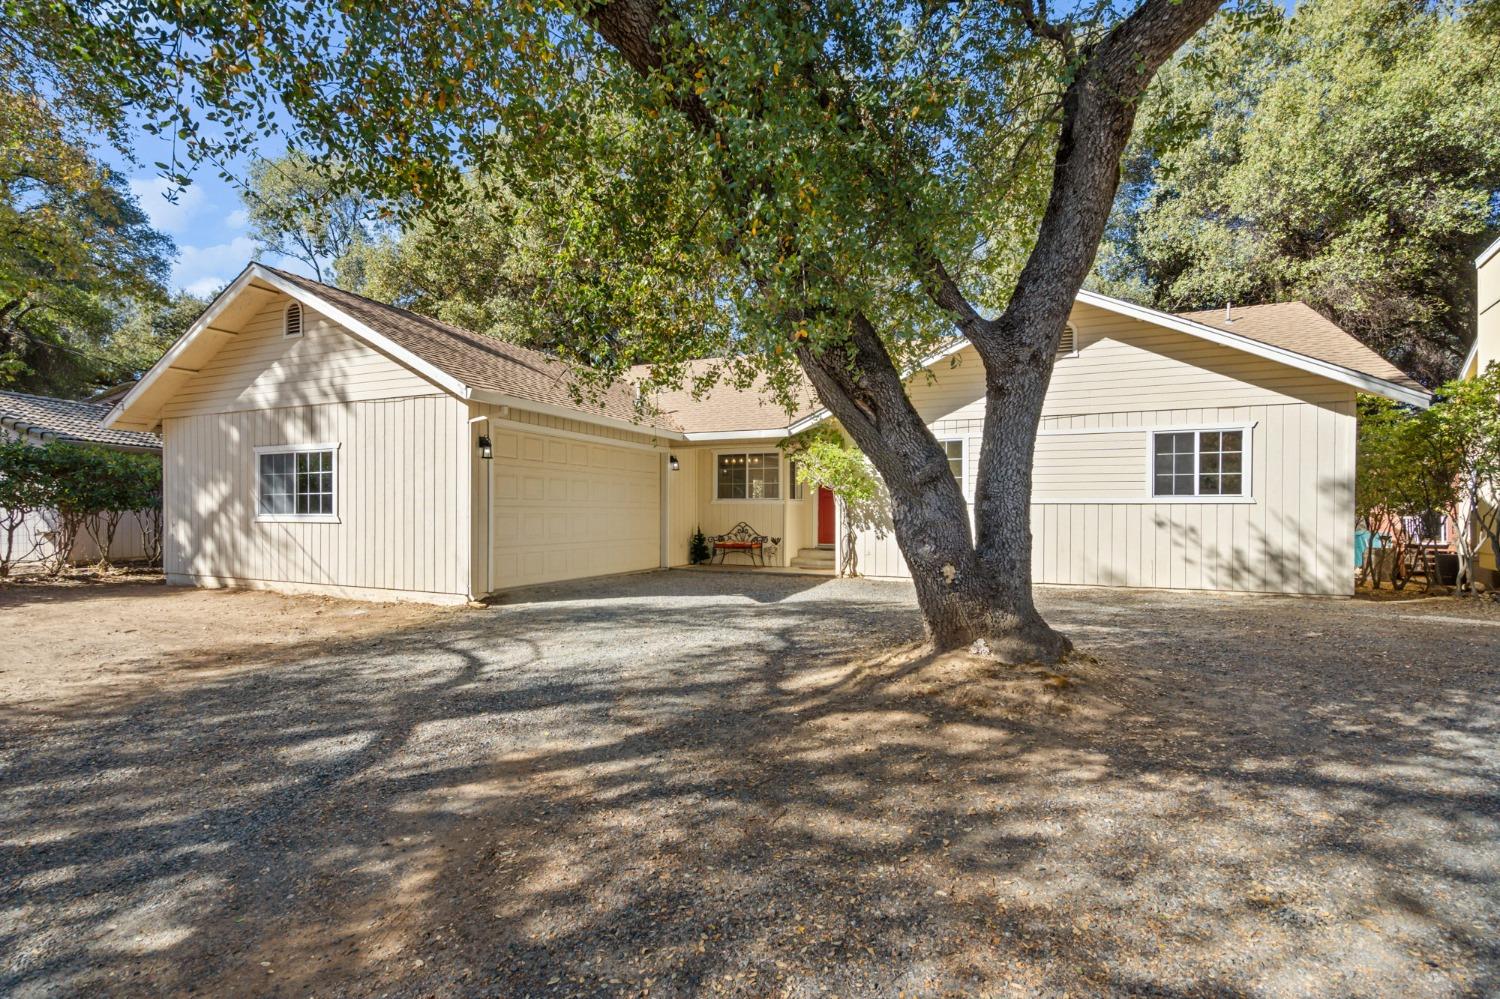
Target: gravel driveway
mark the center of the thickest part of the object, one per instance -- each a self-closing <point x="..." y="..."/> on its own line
<point x="676" y="784"/>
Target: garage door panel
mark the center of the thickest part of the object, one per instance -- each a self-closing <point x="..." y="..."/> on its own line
<point x="569" y="509"/>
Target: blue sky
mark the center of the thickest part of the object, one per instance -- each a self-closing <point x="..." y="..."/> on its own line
<point x="207" y="220"/>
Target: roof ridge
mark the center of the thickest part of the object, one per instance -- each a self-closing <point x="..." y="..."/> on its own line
<point x="53" y="398"/>
<point x="483" y="338"/>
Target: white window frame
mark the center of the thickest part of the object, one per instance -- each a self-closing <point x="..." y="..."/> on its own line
<point x="297" y="518"/>
<point x="780" y="476"/>
<point x="1247" y="484"/>
<point x="963" y="460"/>
<point x="286" y="332"/>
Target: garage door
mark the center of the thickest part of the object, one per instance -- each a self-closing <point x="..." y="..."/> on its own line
<point x="567" y="509"/>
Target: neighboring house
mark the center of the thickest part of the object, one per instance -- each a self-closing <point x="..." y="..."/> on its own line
<point x="39" y="420"/>
<point x="322" y="442"/>
<point x="1486" y="351"/>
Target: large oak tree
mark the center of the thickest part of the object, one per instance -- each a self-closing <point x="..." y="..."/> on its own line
<point x="823" y="185"/>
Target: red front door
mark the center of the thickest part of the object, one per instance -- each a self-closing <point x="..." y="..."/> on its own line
<point x="825" y="516"/>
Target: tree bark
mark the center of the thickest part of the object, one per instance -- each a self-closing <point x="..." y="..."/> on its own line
<point x="973" y="586"/>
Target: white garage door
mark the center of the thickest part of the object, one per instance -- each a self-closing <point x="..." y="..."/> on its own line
<point x="567" y="509"/>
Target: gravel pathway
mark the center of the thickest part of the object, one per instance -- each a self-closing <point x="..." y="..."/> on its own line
<point x="676" y="784"/>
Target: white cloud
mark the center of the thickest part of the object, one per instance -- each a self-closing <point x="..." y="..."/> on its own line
<point x="205" y="269"/>
<point x="172" y="217"/>
<point x="237" y="219"/>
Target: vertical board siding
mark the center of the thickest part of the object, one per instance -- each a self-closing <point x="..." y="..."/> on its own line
<point x="683" y="510"/>
<point x="768" y="517"/>
<point x="396" y="499"/>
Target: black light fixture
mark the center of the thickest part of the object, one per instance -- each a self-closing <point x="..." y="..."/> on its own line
<point x="485" y="450"/>
<point x="672" y="462"/>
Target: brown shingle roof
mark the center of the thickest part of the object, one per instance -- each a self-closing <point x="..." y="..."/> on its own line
<point x="1296" y="326"/>
<point x="484" y="362"/>
<point x="726" y="406"/>
<point x="66" y="420"/>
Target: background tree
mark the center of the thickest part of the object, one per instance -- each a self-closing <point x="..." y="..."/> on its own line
<point x="820" y="186"/>
<point x="1343" y="153"/>
<point x="146" y="328"/>
<point x="299" y="208"/>
<point x="1467" y="421"/>
<point x="23" y="493"/>
<point x="73" y="245"/>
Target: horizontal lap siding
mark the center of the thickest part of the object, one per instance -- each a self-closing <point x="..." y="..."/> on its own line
<point x="1297" y="535"/>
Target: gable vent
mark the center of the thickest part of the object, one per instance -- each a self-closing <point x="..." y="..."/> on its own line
<point x="294" y="319"/>
<point x="1069" y="342"/>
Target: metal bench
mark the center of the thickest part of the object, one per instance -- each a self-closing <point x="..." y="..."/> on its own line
<point x="742" y="538"/>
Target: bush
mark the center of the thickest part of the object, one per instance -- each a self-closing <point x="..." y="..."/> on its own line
<point x="88" y="488"/>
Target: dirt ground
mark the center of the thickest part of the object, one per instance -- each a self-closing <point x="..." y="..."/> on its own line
<point x="86" y="632"/>
<point x="728" y="784"/>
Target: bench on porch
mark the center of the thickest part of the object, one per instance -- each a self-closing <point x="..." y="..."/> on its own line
<point x="742" y="538"/>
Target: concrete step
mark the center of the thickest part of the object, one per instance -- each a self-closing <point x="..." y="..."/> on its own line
<point x="814" y="558"/>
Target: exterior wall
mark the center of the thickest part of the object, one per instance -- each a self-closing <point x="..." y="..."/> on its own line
<point x="1488" y="352"/>
<point x="262" y="369"/>
<point x="683" y="503"/>
<point x="402" y="509"/>
<point x="402" y="512"/>
<point x="565" y="500"/>
<point x="768" y="517"/>
<point x="1093" y="519"/>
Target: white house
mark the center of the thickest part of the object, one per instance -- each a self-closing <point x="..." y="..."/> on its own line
<point x="318" y="441"/>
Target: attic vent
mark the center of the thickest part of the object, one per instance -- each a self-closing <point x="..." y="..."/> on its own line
<point x="293" y="319"/>
<point x="1069" y="342"/>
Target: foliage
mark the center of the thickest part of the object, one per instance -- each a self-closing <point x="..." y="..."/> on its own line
<point x="1342" y="153"/>
<point x="845" y="133"/>
<point x="22" y="494"/>
<point x="147" y="328"/>
<point x="1466" y="422"/>
<point x="825" y="460"/>
<point x="297" y="208"/>
<point x="481" y="263"/>
<point x="698" y="551"/>
<point x="83" y="487"/>
<point x="75" y="244"/>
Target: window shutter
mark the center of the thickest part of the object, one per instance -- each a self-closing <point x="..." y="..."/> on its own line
<point x="294" y="319"/>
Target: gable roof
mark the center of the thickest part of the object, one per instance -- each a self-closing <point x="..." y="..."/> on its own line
<point x="1297" y="326"/>
<point x="50" y="419"/>
<point x="726" y="407"/>
<point x="480" y="363"/>
<point x="476" y="367"/>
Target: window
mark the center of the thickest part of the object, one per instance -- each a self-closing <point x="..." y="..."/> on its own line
<point x="293" y="320"/>
<point x="1430" y="528"/>
<point x="749" y="476"/>
<point x="955" y="452"/>
<point x="295" y="483"/>
<point x="1199" y="463"/>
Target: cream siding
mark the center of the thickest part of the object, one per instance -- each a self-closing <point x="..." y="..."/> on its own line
<point x="683" y="504"/>
<point x="1093" y="520"/>
<point x="260" y="368"/>
<point x="568" y="500"/>
<point x="1487" y="352"/>
<point x="402" y="510"/>
<point x="768" y="517"/>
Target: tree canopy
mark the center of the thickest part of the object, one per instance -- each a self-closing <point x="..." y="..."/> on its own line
<point x="297" y="208"/>
<point x="822" y="190"/>
<point x="76" y="245"/>
<point x="1344" y="154"/>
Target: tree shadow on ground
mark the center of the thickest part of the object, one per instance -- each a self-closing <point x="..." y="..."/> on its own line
<point x="686" y="790"/>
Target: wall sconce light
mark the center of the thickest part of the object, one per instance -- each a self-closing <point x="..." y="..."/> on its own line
<point x="485" y="450"/>
<point x="672" y="462"/>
